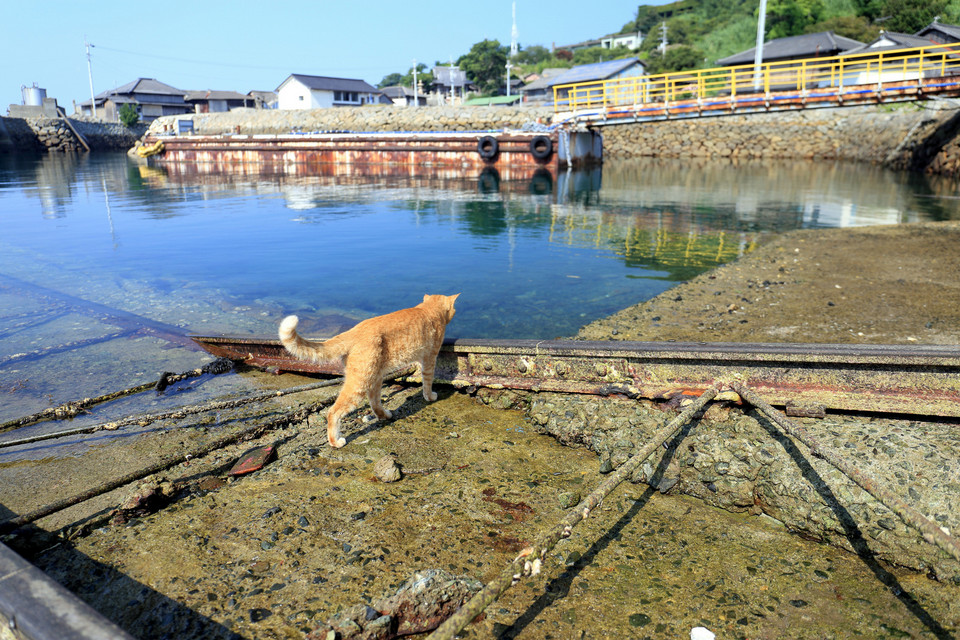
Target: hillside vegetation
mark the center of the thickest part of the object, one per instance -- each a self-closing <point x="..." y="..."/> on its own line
<point x="699" y="32"/>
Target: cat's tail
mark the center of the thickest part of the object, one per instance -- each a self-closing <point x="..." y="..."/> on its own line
<point x="315" y="350"/>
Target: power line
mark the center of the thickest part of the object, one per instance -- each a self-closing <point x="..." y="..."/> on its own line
<point x="217" y="64"/>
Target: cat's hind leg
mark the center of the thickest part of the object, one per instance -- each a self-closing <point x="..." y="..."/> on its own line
<point x="350" y="397"/>
<point x="376" y="403"/>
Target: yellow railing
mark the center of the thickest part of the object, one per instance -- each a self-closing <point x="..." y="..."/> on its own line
<point x="706" y="88"/>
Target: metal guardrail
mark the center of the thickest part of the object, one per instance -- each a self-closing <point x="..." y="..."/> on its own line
<point x="900" y="73"/>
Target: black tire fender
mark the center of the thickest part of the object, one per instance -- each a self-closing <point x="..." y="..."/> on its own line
<point x="541" y="147"/>
<point x="488" y="147"/>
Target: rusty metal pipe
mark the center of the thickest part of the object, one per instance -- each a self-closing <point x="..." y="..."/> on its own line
<point x="932" y="532"/>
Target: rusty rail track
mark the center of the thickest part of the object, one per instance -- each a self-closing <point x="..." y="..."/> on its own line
<point x="916" y="380"/>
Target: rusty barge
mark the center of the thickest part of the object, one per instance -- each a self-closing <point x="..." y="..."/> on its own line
<point x="512" y="154"/>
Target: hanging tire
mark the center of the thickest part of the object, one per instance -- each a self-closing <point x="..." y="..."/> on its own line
<point x="488" y="147"/>
<point x="541" y="147"/>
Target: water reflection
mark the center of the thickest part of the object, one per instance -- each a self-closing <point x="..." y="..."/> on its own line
<point x="536" y="256"/>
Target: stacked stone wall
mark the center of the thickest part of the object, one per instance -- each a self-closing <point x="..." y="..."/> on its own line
<point x="55" y="135"/>
<point x="892" y="135"/>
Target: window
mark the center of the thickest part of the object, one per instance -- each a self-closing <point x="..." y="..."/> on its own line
<point x="300" y="98"/>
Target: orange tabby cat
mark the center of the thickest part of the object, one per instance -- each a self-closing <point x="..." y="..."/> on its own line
<point x="372" y="349"/>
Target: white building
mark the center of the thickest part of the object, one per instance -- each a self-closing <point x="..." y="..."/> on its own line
<point x="300" y="91"/>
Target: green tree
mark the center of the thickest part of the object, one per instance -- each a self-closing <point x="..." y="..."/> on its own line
<point x="389" y="80"/>
<point x="677" y="58"/>
<point x="909" y="16"/>
<point x="855" y="27"/>
<point x="599" y="54"/>
<point x="424" y="77"/>
<point x="485" y="65"/>
<point x="128" y="114"/>
<point x="791" y="17"/>
<point x="534" y="54"/>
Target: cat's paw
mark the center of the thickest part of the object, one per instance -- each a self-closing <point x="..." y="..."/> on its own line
<point x="338" y="443"/>
<point x="431" y="397"/>
<point x="387" y="414"/>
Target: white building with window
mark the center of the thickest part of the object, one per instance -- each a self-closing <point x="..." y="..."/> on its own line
<point x="300" y="91"/>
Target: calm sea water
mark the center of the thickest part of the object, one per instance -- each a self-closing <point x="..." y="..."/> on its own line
<point x="93" y="247"/>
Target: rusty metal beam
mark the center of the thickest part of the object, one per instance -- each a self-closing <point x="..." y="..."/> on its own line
<point x="919" y="379"/>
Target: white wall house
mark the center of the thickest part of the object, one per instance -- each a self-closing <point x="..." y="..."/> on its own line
<point x="300" y="91"/>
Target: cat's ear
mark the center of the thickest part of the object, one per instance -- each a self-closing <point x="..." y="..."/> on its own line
<point x="454" y="297"/>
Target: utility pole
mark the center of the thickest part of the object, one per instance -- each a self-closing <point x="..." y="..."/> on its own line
<point x="453" y="93"/>
<point x="513" y="47"/>
<point x="416" y="100"/>
<point x="663" y="38"/>
<point x="758" y="52"/>
<point x="93" y="102"/>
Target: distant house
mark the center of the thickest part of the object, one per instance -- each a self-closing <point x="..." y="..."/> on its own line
<point x="858" y="69"/>
<point x="538" y="89"/>
<point x="890" y="41"/>
<point x="940" y="33"/>
<point x="596" y="72"/>
<point x="207" y="101"/>
<point x="449" y="81"/>
<point x="403" y="96"/>
<point x="151" y="98"/>
<point x="263" y="99"/>
<point x="810" y="45"/>
<point x="631" y="40"/>
<point x="300" y="91"/>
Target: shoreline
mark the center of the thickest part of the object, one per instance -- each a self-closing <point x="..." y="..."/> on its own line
<point x="895" y="284"/>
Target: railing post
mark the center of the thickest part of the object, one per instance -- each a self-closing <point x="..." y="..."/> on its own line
<point x="879" y="75"/>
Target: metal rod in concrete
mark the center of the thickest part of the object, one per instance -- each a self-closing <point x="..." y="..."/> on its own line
<point x="528" y="562"/>
<point x="931" y="531"/>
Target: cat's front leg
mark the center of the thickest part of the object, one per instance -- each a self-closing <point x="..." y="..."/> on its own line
<point x="427" y="368"/>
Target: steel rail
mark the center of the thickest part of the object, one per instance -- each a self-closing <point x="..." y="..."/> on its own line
<point x="899" y="379"/>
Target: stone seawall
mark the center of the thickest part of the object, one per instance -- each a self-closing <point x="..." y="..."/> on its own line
<point x="915" y="137"/>
<point x="906" y="136"/>
<point x="56" y="135"/>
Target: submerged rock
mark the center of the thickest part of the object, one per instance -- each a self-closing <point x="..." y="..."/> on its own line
<point x="419" y="605"/>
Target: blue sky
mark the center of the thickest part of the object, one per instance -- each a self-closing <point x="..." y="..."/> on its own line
<point x="242" y="45"/>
